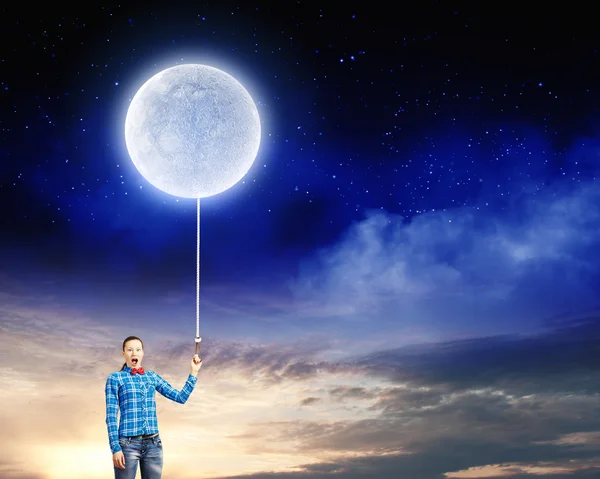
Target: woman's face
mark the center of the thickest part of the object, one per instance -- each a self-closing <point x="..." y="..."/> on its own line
<point x="133" y="353"/>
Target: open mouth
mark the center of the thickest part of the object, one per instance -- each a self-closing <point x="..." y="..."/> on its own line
<point x="134" y="361"/>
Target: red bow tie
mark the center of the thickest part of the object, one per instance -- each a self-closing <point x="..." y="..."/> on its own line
<point x="137" y="371"/>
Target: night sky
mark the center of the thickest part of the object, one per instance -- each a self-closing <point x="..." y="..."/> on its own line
<point x="423" y="203"/>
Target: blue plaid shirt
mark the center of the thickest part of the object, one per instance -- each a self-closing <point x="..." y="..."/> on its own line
<point x="133" y="395"/>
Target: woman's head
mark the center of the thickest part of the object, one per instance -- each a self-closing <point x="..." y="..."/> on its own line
<point x="133" y="352"/>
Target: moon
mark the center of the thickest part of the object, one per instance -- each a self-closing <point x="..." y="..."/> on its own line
<point x="192" y="131"/>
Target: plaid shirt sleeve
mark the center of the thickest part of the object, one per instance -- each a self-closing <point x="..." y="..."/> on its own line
<point x="112" y="412"/>
<point x="168" y="391"/>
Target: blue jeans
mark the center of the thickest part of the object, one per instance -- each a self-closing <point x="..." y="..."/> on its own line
<point x="147" y="452"/>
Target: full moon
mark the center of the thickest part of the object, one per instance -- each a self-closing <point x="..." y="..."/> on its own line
<point x="192" y="131"/>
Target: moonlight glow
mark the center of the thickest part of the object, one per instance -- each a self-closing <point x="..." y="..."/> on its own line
<point x="192" y="131"/>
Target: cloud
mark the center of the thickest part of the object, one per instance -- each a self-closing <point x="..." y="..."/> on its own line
<point x="564" y="359"/>
<point x="394" y="467"/>
<point x="480" y="408"/>
<point x="463" y="270"/>
<point x="342" y="393"/>
<point x="55" y="363"/>
<point x="517" y="405"/>
<point x="309" y="400"/>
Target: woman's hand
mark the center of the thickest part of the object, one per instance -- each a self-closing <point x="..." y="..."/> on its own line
<point x="119" y="459"/>
<point x="196" y="364"/>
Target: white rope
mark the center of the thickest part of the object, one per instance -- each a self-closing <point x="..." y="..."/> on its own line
<point x="198" y="272"/>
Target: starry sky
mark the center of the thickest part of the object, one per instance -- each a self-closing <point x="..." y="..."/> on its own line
<point x="403" y="285"/>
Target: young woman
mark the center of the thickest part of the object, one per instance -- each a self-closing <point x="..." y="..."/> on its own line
<point x="131" y="391"/>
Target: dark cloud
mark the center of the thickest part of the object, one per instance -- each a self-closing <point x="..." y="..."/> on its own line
<point x="340" y="393"/>
<point x="516" y="402"/>
<point x="564" y="359"/>
<point x="444" y="459"/>
<point x="396" y="400"/>
<point x="270" y="364"/>
<point x="309" y="400"/>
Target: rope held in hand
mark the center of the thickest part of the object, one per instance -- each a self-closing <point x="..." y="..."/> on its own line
<point x="198" y="339"/>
